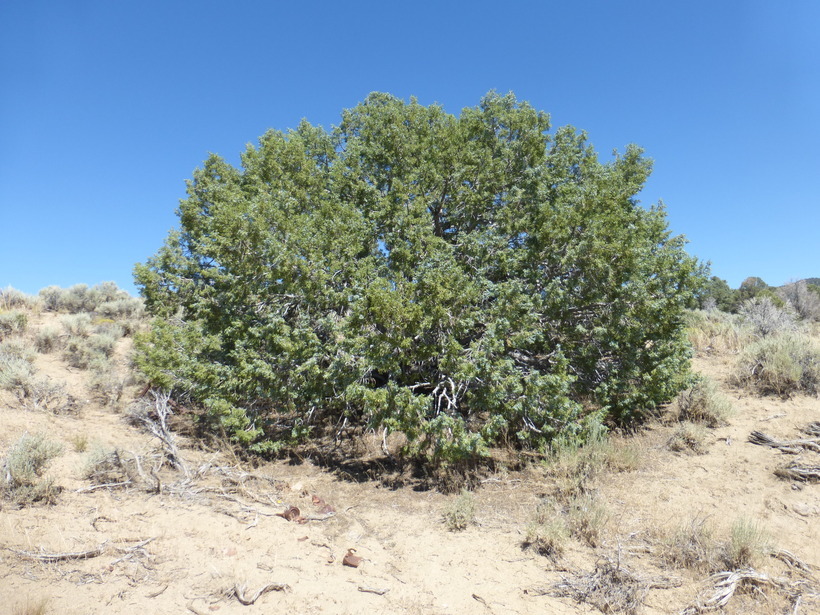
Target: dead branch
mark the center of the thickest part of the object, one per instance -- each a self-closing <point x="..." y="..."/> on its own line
<point x="95" y="487"/>
<point x="159" y="428"/>
<point x="728" y="582"/>
<point x="372" y="590"/>
<point x="787" y="446"/>
<point x="60" y="557"/>
<point x="812" y="429"/>
<point x="238" y="591"/>
<point x="795" y="471"/>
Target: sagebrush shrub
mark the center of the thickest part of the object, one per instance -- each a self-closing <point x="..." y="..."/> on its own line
<point x="24" y="466"/>
<point x="805" y="302"/>
<point x="47" y="339"/>
<point x="765" y="317"/>
<point x="704" y="403"/>
<point x="780" y="365"/>
<point x="15" y="373"/>
<point x="11" y="298"/>
<point x="716" y="332"/>
<point x="12" y="323"/>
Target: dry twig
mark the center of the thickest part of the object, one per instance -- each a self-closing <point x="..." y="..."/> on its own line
<point x="787" y="446"/>
<point x="239" y="592"/>
<point x="60" y="557"/>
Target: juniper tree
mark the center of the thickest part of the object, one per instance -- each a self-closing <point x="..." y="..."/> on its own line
<point x="465" y="280"/>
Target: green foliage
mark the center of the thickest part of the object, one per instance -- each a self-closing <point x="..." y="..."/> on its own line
<point x="467" y="281"/>
<point x="750" y="288"/>
<point x="717" y="294"/>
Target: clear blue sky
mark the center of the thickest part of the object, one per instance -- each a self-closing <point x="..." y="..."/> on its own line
<point x="107" y="106"/>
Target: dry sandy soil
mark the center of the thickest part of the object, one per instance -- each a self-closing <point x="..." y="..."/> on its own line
<point x="201" y="543"/>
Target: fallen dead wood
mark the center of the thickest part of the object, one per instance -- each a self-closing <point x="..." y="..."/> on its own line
<point x="238" y="591"/>
<point x="610" y="587"/>
<point x="792" y="561"/>
<point x="60" y="557"/>
<point x="372" y="590"/>
<point x="795" y="471"/>
<point x="786" y="446"/>
<point x="812" y="429"/>
<point x="727" y="583"/>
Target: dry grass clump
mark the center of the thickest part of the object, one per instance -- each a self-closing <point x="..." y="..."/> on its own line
<point x="704" y="403"/>
<point x="460" y="512"/>
<point x="693" y="546"/>
<point x="780" y="365"/>
<point x="688" y="438"/>
<point x="587" y="517"/>
<point x="717" y="332"/>
<point x="747" y="543"/>
<point x="548" y="532"/>
<point x="574" y="467"/>
<point x="23" y="470"/>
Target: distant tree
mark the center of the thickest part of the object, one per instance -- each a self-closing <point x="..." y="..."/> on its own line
<point x="750" y="288"/>
<point x="717" y="294"/>
<point x="466" y="281"/>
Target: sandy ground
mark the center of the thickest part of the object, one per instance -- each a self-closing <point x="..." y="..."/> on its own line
<point x="201" y="543"/>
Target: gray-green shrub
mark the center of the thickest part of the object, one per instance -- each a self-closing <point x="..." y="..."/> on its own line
<point x="24" y="466"/>
<point x="780" y="365"/>
<point x="12" y="323"/>
<point x="47" y="339"/>
<point x="766" y="318"/>
<point x="704" y="403"/>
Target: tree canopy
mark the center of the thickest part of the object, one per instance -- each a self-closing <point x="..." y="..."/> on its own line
<point x="464" y="280"/>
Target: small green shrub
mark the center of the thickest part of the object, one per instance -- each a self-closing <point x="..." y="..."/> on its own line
<point x="747" y="542"/>
<point x="704" y="403"/>
<point x="42" y="393"/>
<point x="461" y="512"/>
<point x="12" y="323"/>
<point x="83" y="352"/>
<point x="24" y="467"/>
<point x="780" y="365"/>
<point x="131" y="307"/>
<point x="106" y="382"/>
